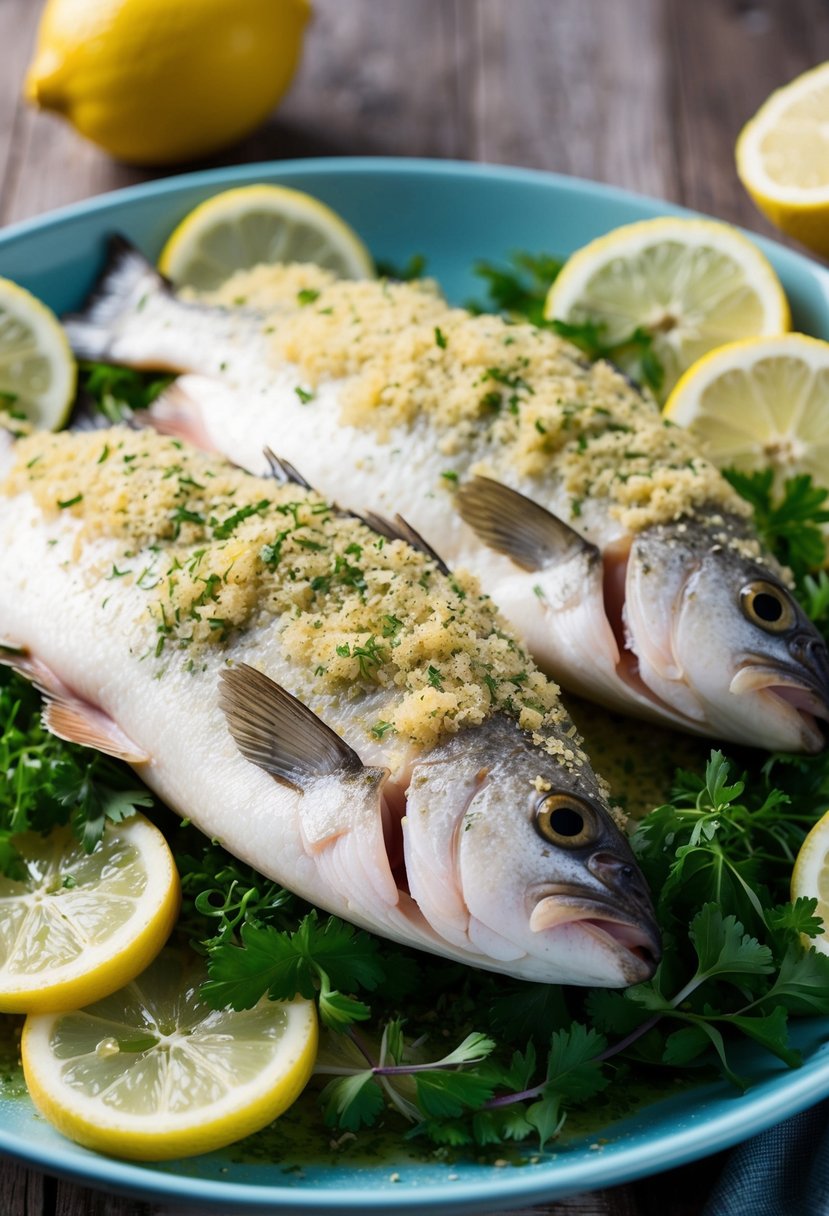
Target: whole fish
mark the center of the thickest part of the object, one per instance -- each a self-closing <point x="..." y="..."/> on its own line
<point x="623" y="557"/>
<point x="321" y="697"/>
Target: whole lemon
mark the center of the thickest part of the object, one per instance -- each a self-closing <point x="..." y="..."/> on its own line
<point x="160" y="81"/>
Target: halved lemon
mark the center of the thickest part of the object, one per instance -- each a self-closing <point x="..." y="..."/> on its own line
<point x="79" y="925"/>
<point x="810" y="877"/>
<point x="151" y="1073"/>
<point x="37" y="369"/>
<point x="244" y="227"/>
<point x="758" y="403"/>
<point x="692" y="284"/>
<point x="783" y="158"/>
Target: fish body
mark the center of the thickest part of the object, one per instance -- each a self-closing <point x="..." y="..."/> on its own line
<point x="321" y="698"/>
<point x="385" y="398"/>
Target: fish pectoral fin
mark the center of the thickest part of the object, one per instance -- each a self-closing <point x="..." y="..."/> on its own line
<point x="79" y="722"/>
<point x="283" y="471"/>
<point x="275" y="731"/>
<point x="512" y="524"/>
<point x="399" y="529"/>
<point x="67" y="715"/>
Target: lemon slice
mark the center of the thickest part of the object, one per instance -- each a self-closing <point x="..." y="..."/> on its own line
<point x="37" y="369"/>
<point x="783" y="158"/>
<point x="152" y="1073"/>
<point x="253" y="224"/>
<point x="80" y="925"/>
<point x="692" y="284"/>
<point x="758" y="403"/>
<point x="810" y="878"/>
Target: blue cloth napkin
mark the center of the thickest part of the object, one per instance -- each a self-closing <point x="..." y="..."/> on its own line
<point x="782" y="1172"/>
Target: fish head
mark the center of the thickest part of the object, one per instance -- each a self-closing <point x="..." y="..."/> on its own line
<point x="540" y="871"/>
<point x="725" y="628"/>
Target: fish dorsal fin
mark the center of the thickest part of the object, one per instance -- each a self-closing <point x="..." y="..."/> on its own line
<point x="399" y="529"/>
<point x="512" y="524"/>
<point x="284" y="472"/>
<point x="275" y="731"/>
<point x="69" y="716"/>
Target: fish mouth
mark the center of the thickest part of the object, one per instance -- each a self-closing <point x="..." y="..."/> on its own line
<point x="798" y="697"/>
<point x="633" y="939"/>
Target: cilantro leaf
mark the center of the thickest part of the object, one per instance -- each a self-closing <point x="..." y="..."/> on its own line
<point x="802" y="982"/>
<point x="442" y="1094"/>
<point x="724" y="949"/>
<point x="352" y="1102"/>
<point x="314" y="959"/>
<point x="266" y="961"/>
<point x="546" y="1118"/>
<point x="573" y="1068"/>
<point x="798" y="917"/>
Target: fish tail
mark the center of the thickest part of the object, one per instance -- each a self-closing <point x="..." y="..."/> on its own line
<point x="126" y="280"/>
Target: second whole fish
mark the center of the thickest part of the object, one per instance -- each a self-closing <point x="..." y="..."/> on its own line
<point x="623" y="557"/>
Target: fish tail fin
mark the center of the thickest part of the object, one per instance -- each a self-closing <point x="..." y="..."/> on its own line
<point x="125" y="281"/>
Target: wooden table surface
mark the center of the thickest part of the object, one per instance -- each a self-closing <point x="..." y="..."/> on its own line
<point x="646" y="94"/>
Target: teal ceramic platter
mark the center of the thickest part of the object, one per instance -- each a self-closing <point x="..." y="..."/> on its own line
<point x="453" y="214"/>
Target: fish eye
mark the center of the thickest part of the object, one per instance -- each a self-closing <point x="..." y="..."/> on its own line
<point x="565" y="820"/>
<point x="767" y="606"/>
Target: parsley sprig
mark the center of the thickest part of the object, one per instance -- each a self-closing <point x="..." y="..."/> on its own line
<point x="518" y="291"/>
<point x="50" y="783"/>
<point x="790" y="524"/>
<point x="117" y="393"/>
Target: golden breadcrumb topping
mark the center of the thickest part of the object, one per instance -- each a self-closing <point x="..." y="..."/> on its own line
<point x="216" y="551"/>
<point x="529" y="397"/>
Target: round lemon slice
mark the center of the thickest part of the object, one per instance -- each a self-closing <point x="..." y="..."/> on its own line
<point x="758" y="403"/>
<point x="783" y="158"/>
<point x="691" y="284"/>
<point x="77" y="926"/>
<point x="152" y="1073"/>
<point x="810" y="878"/>
<point x="244" y="227"/>
<point x="37" y="369"/>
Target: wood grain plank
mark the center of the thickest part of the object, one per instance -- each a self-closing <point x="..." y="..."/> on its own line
<point x="580" y="87"/>
<point x="22" y="1190"/>
<point x="728" y="55"/>
<point x="371" y="84"/>
<point x="18" y="23"/>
